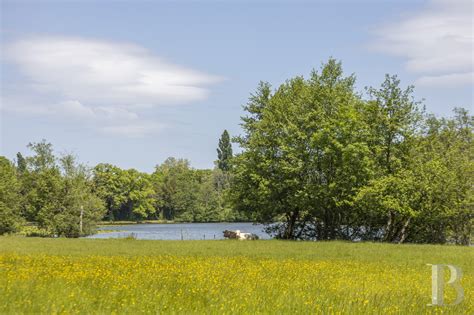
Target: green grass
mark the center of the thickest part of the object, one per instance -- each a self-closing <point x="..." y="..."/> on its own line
<point x="133" y="276"/>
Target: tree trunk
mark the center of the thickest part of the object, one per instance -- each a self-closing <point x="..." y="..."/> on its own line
<point x="388" y="227"/>
<point x="289" y="231"/>
<point x="80" y="220"/>
<point x="403" y="234"/>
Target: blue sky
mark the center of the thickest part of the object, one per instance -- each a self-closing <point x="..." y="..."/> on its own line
<point x="134" y="82"/>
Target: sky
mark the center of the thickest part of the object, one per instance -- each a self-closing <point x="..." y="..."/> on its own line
<point x="133" y="82"/>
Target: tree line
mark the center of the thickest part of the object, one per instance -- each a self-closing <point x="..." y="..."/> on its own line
<point x="319" y="160"/>
<point x="58" y="196"/>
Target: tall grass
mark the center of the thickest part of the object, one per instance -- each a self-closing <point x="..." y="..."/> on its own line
<point x="107" y="276"/>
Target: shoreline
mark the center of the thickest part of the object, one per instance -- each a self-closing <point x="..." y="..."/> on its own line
<point x="118" y="223"/>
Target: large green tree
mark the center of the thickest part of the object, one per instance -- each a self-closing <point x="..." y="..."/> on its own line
<point x="57" y="193"/>
<point x="41" y="183"/>
<point x="80" y="209"/>
<point x="304" y="154"/>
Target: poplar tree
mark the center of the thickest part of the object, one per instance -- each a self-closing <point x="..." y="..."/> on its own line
<point x="224" y="152"/>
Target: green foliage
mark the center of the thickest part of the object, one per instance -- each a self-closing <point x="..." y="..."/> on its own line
<point x="176" y="186"/>
<point x="20" y="162"/>
<point x="444" y="161"/>
<point x="224" y="152"/>
<point x="10" y="219"/>
<point x="57" y="194"/>
<point x="175" y="191"/>
<point x="213" y="203"/>
<point x="80" y="208"/>
<point x="128" y="194"/>
<point x="393" y="119"/>
<point x="304" y="153"/>
<point x="328" y="164"/>
<point x="187" y="194"/>
<point x="393" y="193"/>
<point x="41" y="183"/>
<point x="34" y="231"/>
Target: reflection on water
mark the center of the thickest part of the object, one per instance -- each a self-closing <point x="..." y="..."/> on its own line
<point x="178" y="231"/>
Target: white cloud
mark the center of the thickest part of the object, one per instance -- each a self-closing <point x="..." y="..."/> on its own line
<point x="106" y="120"/>
<point x="94" y="71"/>
<point x="133" y="130"/>
<point x="100" y="84"/>
<point x="437" y="42"/>
<point x="454" y="79"/>
<point x="72" y="110"/>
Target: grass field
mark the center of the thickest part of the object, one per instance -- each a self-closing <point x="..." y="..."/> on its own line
<point x="130" y="276"/>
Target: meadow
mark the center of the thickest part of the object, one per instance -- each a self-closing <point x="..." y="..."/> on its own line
<point x="79" y="276"/>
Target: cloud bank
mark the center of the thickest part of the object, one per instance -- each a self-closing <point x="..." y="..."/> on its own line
<point x="101" y="81"/>
<point x="437" y="43"/>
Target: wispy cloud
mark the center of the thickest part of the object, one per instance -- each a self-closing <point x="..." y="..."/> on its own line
<point x="437" y="42"/>
<point x="100" y="81"/>
<point x="74" y="110"/>
<point x="133" y="130"/>
<point x="446" y="80"/>
<point x="106" y="120"/>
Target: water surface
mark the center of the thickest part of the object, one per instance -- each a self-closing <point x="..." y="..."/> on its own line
<point x="178" y="231"/>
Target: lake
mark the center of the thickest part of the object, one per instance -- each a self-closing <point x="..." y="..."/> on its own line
<point x="178" y="231"/>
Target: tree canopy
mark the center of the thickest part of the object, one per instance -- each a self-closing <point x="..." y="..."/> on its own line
<point x="323" y="162"/>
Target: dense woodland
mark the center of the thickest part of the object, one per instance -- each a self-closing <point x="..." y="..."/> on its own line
<point x="58" y="196"/>
<point x="319" y="161"/>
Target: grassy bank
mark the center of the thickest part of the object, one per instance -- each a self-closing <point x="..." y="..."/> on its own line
<point x="130" y="276"/>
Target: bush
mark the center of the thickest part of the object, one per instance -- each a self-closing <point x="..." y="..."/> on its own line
<point x="34" y="231"/>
